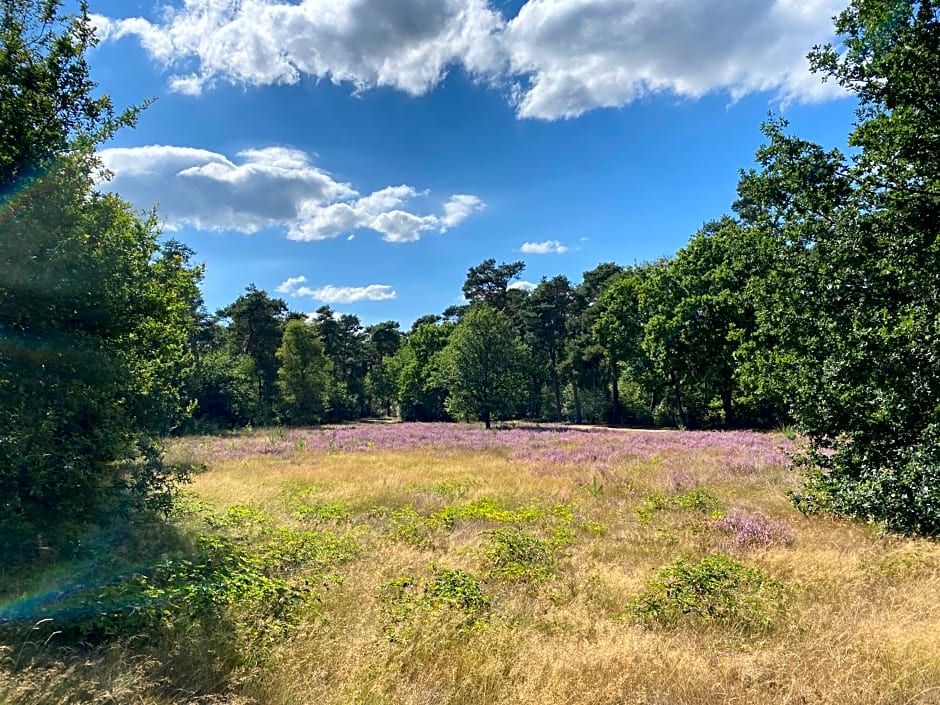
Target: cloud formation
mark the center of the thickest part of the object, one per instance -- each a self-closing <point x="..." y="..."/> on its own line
<point x="561" y="58"/>
<point x="523" y="285"/>
<point x="330" y="294"/>
<point x="548" y="247"/>
<point x="269" y="187"/>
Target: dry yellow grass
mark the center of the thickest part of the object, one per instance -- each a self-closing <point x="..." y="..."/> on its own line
<point x="860" y="624"/>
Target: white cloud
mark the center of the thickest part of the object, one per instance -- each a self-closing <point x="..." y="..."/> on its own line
<point x="291" y="285"/>
<point x="460" y="207"/>
<point x="268" y="187"/>
<point x="329" y="294"/>
<point x="576" y="55"/>
<point x="523" y="285"/>
<point x="561" y="57"/>
<point x="408" y="45"/>
<point x="548" y="247"/>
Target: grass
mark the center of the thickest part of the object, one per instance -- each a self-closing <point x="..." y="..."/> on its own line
<point x="448" y="565"/>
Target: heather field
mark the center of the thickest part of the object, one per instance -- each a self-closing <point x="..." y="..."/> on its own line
<point x="441" y="563"/>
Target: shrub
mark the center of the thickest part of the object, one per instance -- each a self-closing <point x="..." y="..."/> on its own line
<point x="904" y="498"/>
<point x="716" y="589"/>
<point x="514" y="554"/>
<point x="407" y="598"/>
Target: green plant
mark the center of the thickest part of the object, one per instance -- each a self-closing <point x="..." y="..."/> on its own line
<point x="716" y="589"/>
<point x="695" y="500"/>
<point x="288" y="550"/>
<point x="331" y="512"/>
<point x="514" y="554"/>
<point x="406" y="598"/>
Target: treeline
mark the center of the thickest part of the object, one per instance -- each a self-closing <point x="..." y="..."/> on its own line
<point x="664" y="343"/>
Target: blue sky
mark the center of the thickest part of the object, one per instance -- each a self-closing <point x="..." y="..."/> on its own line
<point x="366" y="153"/>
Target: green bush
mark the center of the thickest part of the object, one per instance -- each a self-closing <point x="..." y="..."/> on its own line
<point x="514" y="554"/>
<point x="407" y="598"/>
<point x="716" y="589"/>
<point x="905" y="498"/>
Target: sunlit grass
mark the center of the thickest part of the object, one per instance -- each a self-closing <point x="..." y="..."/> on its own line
<point x="501" y="567"/>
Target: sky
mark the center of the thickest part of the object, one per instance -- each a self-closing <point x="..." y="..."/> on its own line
<point x="366" y="153"/>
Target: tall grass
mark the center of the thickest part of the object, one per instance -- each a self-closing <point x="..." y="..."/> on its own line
<point x="508" y="567"/>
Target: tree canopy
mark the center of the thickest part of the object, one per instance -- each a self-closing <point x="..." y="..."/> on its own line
<point x="96" y="311"/>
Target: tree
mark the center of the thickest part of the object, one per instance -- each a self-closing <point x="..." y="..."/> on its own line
<point x="858" y="242"/>
<point x="619" y="328"/>
<point x="47" y="107"/>
<point x="382" y="341"/>
<point x="420" y="396"/>
<point x="584" y="362"/>
<point x="255" y="329"/>
<point x="304" y="374"/>
<point x="346" y="345"/>
<point x="547" y="310"/>
<point x="96" y="315"/>
<point x="481" y="367"/>
<point x="489" y="282"/>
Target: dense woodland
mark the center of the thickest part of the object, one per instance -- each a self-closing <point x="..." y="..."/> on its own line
<point x="812" y="303"/>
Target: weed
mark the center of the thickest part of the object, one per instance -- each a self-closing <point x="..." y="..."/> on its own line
<point x="288" y="550"/>
<point x="596" y="488"/>
<point x="328" y="512"/>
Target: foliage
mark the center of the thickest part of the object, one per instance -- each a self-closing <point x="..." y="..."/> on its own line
<point x="96" y="314"/>
<point x="256" y="324"/>
<point x="420" y="395"/>
<point x="695" y="500"/>
<point x="856" y="293"/>
<point x="546" y="314"/>
<point x="303" y="375"/>
<point x="404" y="599"/>
<point x="47" y="108"/>
<point x="181" y="594"/>
<point x="489" y="283"/>
<point x="481" y="366"/>
<point x="515" y="554"/>
<point x="716" y="589"/>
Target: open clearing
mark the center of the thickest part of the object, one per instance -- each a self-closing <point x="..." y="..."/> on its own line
<point x="454" y="565"/>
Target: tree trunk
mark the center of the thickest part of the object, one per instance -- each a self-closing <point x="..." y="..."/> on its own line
<point x="556" y="387"/>
<point x="578" y="418"/>
<point x="615" y="393"/>
<point x="486" y="419"/>
<point x="727" y="406"/>
<point x="679" y="409"/>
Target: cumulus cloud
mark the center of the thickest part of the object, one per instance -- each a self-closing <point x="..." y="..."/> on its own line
<point x="460" y="207"/>
<point x="268" y="187"/>
<point x="548" y="247"/>
<point x="523" y="285"/>
<point x="576" y="55"/>
<point x="408" y="45"/>
<point x="561" y="57"/>
<point x="330" y="294"/>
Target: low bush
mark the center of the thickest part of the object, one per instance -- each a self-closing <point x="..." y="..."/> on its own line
<point x="716" y="589"/>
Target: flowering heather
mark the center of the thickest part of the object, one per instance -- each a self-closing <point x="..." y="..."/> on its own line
<point x="547" y="448"/>
<point x="749" y="530"/>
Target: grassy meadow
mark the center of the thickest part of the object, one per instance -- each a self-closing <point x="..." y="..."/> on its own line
<point x="420" y="564"/>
